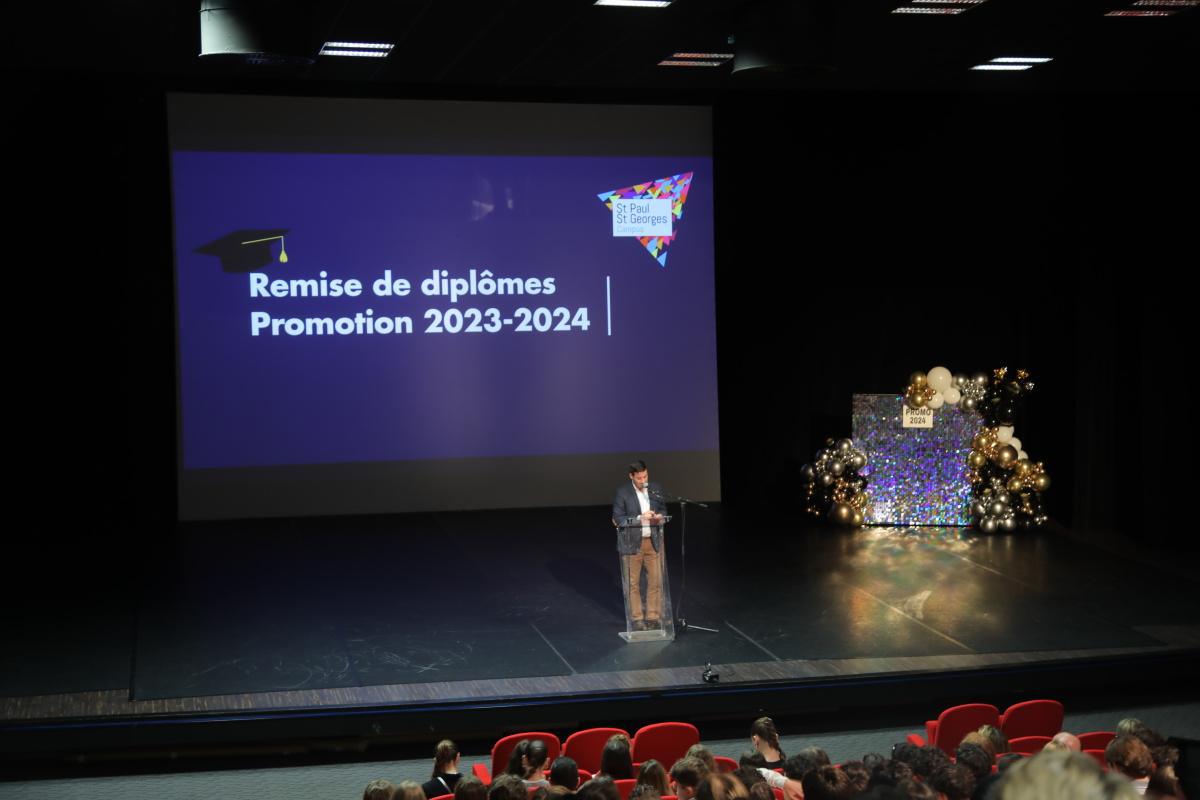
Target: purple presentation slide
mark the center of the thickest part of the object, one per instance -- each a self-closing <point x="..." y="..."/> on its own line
<point x="339" y="308"/>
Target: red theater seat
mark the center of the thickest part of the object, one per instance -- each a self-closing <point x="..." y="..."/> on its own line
<point x="953" y="724"/>
<point x="665" y="742"/>
<point x="625" y="786"/>
<point x="1099" y="756"/>
<point x="503" y="748"/>
<point x="1096" y="740"/>
<point x="724" y="764"/>
<point x="1032" y="718"/>
<point x="1028" y="745"/>
<point x="585" y="746"/>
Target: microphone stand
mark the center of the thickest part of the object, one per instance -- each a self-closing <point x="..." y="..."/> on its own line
<point x="681" y="622"/>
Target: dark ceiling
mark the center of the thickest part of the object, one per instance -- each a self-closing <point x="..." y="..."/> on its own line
<point x="572" y="44"/>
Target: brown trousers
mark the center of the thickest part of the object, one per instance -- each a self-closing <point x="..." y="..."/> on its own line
<point x="646" y="557"/>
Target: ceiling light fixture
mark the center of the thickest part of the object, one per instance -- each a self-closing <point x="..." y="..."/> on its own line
<point x="357" y="49"/>
<point x="725" y="56"/>
<point x="360" y="45"/>
<point x="917" y="10"/>
<point x="635" y="3"/>
<point x="690" y="63"/>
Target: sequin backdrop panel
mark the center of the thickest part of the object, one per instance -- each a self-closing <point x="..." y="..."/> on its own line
<point x="916" y="476"/>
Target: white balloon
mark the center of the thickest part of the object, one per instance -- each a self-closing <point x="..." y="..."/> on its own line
<point x="939" y="378"/>
<point x="1004" y="433"/>
<point x="936" y="401"/>
<point x="1015" y="442"/>
<point x="952" y="395"/>
<point x="1022" y="455"/>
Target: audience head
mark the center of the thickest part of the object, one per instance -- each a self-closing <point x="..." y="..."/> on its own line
<point x="890" y="773"/>
<point x="564" y="772"/>
<point x="1129" y="755"/>
<point x="827" y="782"/>
<point x="979" y="740"/>
<point x="752" y="758"/>
<point x="1066" y="742"/>
<point x="445" y="757"/>
<point x="764" y="736"/>
<point x="644" y="791"/>
<point x="872" y="761"/>
<point x="615" y="759"/>
<point x="748" y="776"/>
<point x="937" y="759"/>
<point x="1164" y="783"/>
<point x="998" y="739"/>
<point x="655" y="774"/>
<point x="858" y="774"/>
<point x="686" y="775"/>
<point x="915" y="757"/>
<point x="507" y="787"/>
<point x="721" y="786"/>
<point x="760" y="791"/>
<point x="536" y="756"/>
<point x="379" y="789"/>
<point x="918" y="790"/>
<point x="976" y="759"/>
<point x="1060" y="775"/>
<point x="705" y="755"/>
<point x="882" y="792"/>
<point x="599" y="788"/>
<point x="516" y="759"/>
<point x="804" y="762"/>
<point x="955" y="781"/>
<point x="1132" y="726"/>
<point x="469" y="787"/>
<point x="409" y="790"/>
<point x="1160" y="751"/>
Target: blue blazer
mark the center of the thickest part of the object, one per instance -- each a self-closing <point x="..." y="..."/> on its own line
<point x="625" y="504"/>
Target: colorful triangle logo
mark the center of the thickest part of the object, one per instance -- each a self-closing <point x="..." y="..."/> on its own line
<point x="675" y="189"/>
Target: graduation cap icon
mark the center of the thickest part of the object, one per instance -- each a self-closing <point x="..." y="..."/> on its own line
<point x="246" y="250"/>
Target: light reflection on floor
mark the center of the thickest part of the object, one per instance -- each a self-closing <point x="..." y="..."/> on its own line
<point x="919" y="573"/>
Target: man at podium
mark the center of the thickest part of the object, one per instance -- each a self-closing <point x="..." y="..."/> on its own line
<point x="641" y="546"/>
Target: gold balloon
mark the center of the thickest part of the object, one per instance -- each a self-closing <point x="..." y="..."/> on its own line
<point x="985" y="439"/>
<point x="917" y="379"/>
<point x="1022" y="467"/>
<point x="858" y="518"/>
<point x="1005" y="456"/>
<point x="1041" y="482"/>
<point x="976" y="459"/>
<point x="914" y="398"/>
<point x="841" y="513"/>
<point x="1015" y="484"/>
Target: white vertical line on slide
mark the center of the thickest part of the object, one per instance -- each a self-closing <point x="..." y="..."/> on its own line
<point x="608" y="300"/>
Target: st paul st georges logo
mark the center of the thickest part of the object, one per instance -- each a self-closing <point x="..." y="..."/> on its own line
<point x="650" y="212"/>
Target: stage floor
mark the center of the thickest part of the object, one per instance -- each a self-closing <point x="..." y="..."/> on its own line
<point x="433" y="610"/>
